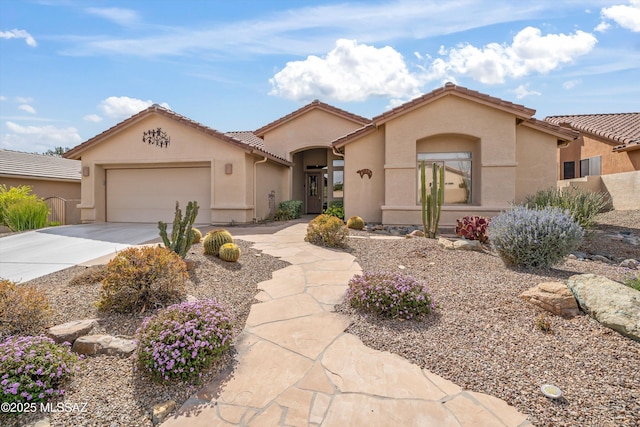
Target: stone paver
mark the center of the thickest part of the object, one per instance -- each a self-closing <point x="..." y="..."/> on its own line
<point x="297" y="367"/>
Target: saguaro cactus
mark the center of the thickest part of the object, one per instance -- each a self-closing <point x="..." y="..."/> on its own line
<point x="432" y="202"/>
<point x="181" y="234"/>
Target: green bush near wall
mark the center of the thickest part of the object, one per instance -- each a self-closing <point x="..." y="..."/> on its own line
<point x="289" y="209"/>
<point x="21" y="210"/>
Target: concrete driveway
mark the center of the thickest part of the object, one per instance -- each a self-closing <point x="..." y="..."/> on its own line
<point x="33" y="254"/>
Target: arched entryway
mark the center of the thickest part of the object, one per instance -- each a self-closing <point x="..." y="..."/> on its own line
<point x="318" y="178"/>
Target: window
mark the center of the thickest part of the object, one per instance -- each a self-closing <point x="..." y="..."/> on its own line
<point x="569" y="170"/>
<point x="338" y="179"/>
<point x="590" y="166"/>
<point x="457" y="175"/>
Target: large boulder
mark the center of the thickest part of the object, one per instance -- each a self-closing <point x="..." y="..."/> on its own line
<point x="70" y="331"/>
<point x="613" y="304"/>
<point x="554" y="297"/>
<point x="92" y="345"/>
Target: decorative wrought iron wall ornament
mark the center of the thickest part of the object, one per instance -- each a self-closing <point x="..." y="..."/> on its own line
<point x="157" y="137"/>
<point x="363" y="172"/>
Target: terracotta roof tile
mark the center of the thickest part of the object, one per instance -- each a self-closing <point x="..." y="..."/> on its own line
<point x="313" y="105"/>
<point x="365" y="130"/>
<point x="75" y="153"/>
<point x="248" y="138"/>
<point x="620" y="128"/>
<point x="452" y="89"/>
<point x="563" y="133"/>
<point x="15" y="163"/>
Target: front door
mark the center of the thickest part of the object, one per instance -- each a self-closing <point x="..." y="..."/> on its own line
<point x="313" y="199"/>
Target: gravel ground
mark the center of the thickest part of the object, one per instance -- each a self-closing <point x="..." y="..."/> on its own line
<point x="483" y="337"/>
<point x="114" y="393"/>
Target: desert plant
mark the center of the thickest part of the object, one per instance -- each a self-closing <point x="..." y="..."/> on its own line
<point x="335" y="208"/>
<point x="90" y="276"/>
<point x="197" y="235"/>
<point x="431" y="203"/>
<point x="473" y="228"/>
<point x="214" y="240"/>
<point x="327" y="230"/>
<point x="288" y="209"/>
<point x="23" y="309"/>
<point x="142" y="278"/>
<point x="355" y="222"/>
<point x="534" y="238"/>
<point x="183" y="339"/>
<point x="389" y="294"/>
<point x="181" y="234"/>
<point x="229" y="252"/>
<point x="34" y="369"/>
<point x="633" y="281"/>
<point x="583" y="206"/>
<point x="26" y="214"/>
<point x="543" y="324"/>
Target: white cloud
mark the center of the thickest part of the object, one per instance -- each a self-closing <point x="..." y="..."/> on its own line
<point x="92" y="118"/>
<point x="38" y="138"/>
<point x="523" y="91"/>
<point x="28" y="108"/>
<point x="124" y="17"/>
<point x="602" y="27"/>
<point x="19" y="34"/>
<point x="349" y="72"/>
<point x="530" y="52"/>
<point x="24" y="99"/>
<point x="123" y="106"/>
<point x="570" y="84"/>
<point x="627" y="16"/>
<point x="3" y="98"/>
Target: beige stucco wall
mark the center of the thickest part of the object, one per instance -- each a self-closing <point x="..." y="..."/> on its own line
<point x="315" y="128"/>
<point x="624" y="189"/>
<point x="270" y="178"/>
<point x="231" y="194"/>
<point x="536" y="156"/>
<point x="364" y="196"/>
<point x="429" y="126"/>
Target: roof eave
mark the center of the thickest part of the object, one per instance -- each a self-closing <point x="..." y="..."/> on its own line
<point x="353" y="136"/>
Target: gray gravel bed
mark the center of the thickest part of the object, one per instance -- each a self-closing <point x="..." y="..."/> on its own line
<point x="484" y="338"/>
<point x="115" y="394"/>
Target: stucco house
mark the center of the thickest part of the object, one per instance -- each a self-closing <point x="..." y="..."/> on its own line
<point x="608" y="144"/>
<point x="494" y="152"/>
<point x="52" y="178"/>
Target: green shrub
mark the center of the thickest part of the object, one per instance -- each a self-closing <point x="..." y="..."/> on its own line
<point x="583" y="206"/>
<point x="183" y="339"/>
<point x="336" y="208"/>
<point x="23" y="309"/>
<point x="229" y="252"/>
<point x="327" y="230"/>
<point x="389" y="294"/>
<point x="34" y="369"/>
<point x="534" y="238"/>
<point x="633" y="281"/>
<point x="289" y="209"/>
<point x="355" y="222"/>
<point x="214" y="240"/>
<point x="143" y="278"/>
<point x="20" y="210"/>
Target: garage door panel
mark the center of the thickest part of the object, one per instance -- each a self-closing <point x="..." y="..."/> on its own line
<point x="149" y="195"/>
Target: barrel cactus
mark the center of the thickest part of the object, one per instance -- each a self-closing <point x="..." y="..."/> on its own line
<point x="355" y="222"/>
<point x="214" y="240"/>
<point x="229" y="252"/>
<point x="197" y="235"/>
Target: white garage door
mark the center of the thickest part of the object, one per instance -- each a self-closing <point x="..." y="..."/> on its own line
<point x="149" y="195"/>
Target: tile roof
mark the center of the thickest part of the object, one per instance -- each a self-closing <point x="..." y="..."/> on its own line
<point x="452" y="89"/>
<point x="18" y="164"/>
<point x="620" y="128"/>
<point x="248" y="138"/>
<point x="316" y="104"/>
<point x="76" y="152"/>
<point x="561" y="132"/>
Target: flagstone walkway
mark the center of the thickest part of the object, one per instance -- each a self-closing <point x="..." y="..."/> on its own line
<point x="297" y="367"/>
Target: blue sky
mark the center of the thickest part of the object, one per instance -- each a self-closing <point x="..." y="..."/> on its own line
<point x="71" y="69"/>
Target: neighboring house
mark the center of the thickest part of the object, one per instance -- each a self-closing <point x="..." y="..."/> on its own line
<point x="608" y="144"/>
<point x="52" y="178"/>
<point x="494" y="152"/>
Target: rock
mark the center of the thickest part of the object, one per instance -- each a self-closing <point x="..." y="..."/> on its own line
<point x="613" y="304"/>
<point x="415" y="233"/>
<point x="91" y="345"/>
<point x="190" y="298"/>
<point x="601" y="258"/>
<point x="70" y="331"/>
<point x="190" y="264"/>
<point x="467" y="245"/>
<point x="445" y="243"/>
<point x="631" y="264"/>
<point x="554" y="297"/>
<point x="161" y="410"/>
<point x="572" y="256"/>
<point x="43" y="422"/>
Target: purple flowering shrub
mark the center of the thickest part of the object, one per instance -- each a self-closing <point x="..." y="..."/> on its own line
<point x="473" y="228"/>
<point x="183" y="339"/>
<point x="389" y="294"/>
<point x="534" y="238"/>
<point x="34" y="368"/>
